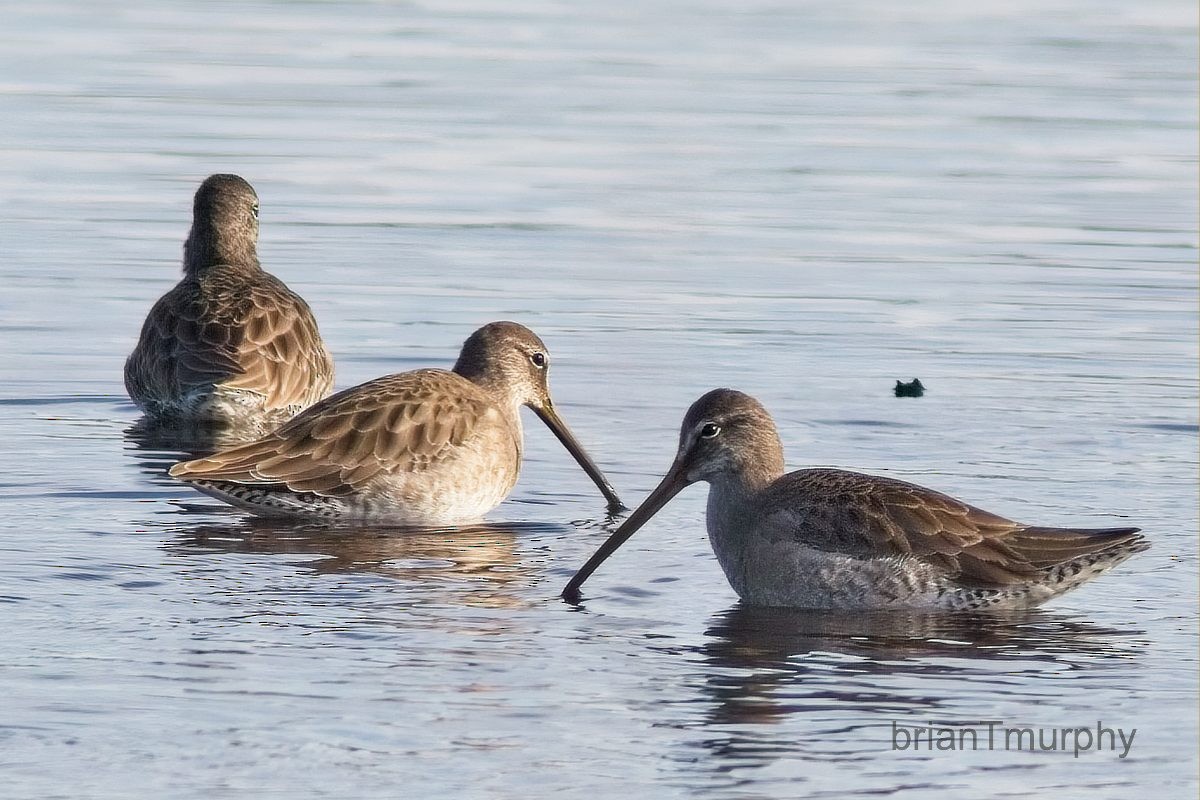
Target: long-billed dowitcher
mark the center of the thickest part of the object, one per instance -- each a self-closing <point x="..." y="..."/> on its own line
<point x="427" y="447"/>
<point x="827" y="538"/>
<point x="230" y="344"/>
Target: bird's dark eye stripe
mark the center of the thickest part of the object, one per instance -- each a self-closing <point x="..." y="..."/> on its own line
<point x="709" y="430"/>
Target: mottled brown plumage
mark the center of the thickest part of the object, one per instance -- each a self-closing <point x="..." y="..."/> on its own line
<point x="868" y="516"/>
<point x="230" y="343"/>
<point x="483" y="565"/>
<point x="405" y="423"/>
<point x="426" y="447"/>
<point x="832" y="538"/>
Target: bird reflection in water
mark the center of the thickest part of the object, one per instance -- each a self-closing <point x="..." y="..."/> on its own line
<point x="797" y="660"/>
<point x="842" y="676"/>
<point x="476" y="565"/>
<point x="156" y="446"/>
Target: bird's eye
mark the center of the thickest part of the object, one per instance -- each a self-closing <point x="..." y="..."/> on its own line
<point x="538" y="359"/>
<point x="254" y="210"/>
<point x="709" y="430"/>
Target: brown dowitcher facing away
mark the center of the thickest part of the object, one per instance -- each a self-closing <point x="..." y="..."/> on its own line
<point x="422" y="448"/>
<point x="827" y="538"/>
<point x="230" y="344"/>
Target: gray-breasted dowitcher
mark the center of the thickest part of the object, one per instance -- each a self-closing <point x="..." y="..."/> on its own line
<point x="421" y="448"/>
<point x="827" y="538"/>
<point x="230" y="344"/>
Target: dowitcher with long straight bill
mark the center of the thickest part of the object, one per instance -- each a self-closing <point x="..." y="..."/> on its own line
<point x="422" y="448"/>
<point x="230" y="344"/>
<point x="827" y="538"/>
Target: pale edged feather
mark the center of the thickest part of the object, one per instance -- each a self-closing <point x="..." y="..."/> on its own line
<point x="396" y="424"/>
<point x="231" y="327"/>
<point x="868" y="516"/>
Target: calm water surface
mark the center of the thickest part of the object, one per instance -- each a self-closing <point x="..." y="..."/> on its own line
<point x="805" y="201"/>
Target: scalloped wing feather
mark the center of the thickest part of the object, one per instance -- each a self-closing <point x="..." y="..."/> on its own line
<point x="278" y="348"/>
<point x="397" y="424"/>
<point x="228" y="328"/>
<point x="868" y="516"/>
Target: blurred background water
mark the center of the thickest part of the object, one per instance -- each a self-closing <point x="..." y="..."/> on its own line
<point x="806" y="201"/>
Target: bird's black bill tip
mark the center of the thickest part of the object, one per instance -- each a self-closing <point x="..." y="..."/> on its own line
<point x="615" y="509"/>
<point x="571" y="594"/>
<point x="668" y="488"/>
<point x="554" y="422"/>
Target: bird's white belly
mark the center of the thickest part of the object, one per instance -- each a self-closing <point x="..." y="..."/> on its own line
<point x="437" y="502"/>
<point x="451" y="493"/>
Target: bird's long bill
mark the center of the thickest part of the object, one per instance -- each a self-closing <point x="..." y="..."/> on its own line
<point x="554" y="422"/>
<point x="668" y="488"/>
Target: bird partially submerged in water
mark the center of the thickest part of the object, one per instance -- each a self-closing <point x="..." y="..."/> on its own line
<point x="230" y="345"/>
<point x="421" y="448"/>
<point x="829" y="538"/>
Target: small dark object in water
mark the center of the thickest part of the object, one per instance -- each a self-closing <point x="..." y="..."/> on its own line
<point x="914" y="388"/>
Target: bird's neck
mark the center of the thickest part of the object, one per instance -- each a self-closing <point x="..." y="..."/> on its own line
<point x="736" y="502"/>
<point x="497" y="385"/>
<point x="754" y="465"/>
<point x="740" y="488"/>
<point x="207" y="247"/>
<point x="735" y="492"/>
<point x="484" y="375"/>
<point x="733" y="510"/>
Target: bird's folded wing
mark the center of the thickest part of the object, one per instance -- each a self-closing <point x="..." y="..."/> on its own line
<point x="868" y="516"/>
<point x="400" y="423"/>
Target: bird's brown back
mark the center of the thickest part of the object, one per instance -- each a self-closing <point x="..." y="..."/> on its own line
<point x="236" y="328"/>
<point x="870" y="516"/>
<point x="404" y="423"/>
